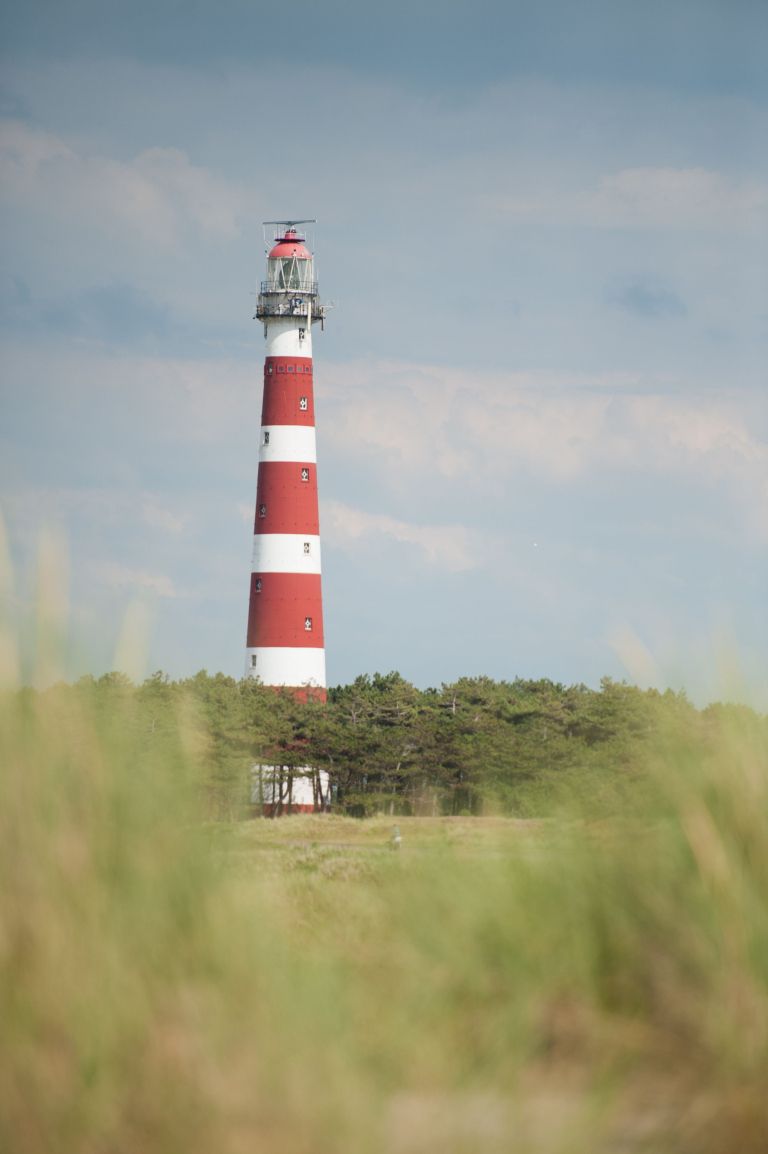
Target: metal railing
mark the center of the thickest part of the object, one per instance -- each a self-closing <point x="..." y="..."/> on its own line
<point x="271" y="286"/>
<point x="269" y="306"/>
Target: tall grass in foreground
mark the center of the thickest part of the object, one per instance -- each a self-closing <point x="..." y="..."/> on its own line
<point x="557" y="986"/>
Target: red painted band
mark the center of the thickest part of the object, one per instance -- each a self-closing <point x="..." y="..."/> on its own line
<point x="288" y="365"/>
<point x="310" y="693"/>
<point x="284" y="502"/>
<point x="302" y="692"/>
<point x="281" y="604"/>
<point x="288" y="393"/>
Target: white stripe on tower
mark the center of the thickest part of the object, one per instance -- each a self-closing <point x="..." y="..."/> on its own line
<point x="285" y="622"/>
<point x="287" y="443"/>
<point x="286" y="553"/>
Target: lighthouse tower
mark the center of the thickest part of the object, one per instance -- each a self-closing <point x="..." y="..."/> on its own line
<point x="285" y="619"/>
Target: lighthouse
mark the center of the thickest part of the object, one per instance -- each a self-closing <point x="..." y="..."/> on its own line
<point x="285" y="645"/>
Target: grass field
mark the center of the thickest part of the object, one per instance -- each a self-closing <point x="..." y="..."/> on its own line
<point x="297" y="986"/>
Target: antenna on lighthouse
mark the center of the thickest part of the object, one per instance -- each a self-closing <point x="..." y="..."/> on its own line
<point x="283" y="228"/>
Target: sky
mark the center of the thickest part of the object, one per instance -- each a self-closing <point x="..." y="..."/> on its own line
<point x="541" y="392"/>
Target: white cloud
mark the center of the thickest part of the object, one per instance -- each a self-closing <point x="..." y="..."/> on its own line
<point x="413" y="421"/>
<point x="24" y="152"/>
<point x="158" y="516"/>
<point x="677" y="198"/>
<point x="176" y="399"/>
<point x="99" y="506"/>
<point x="649" y="198"/>
<point x="155" y="196"/>
<point x="451" y="547"/>
<point x="410" y="426"/>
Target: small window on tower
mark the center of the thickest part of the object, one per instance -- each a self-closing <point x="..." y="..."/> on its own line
<point x="253" y="661"/>
<point x="308" y="624"/>
<point x="302" y="334"/>
<point x="258" y="584"/>
<point x="291" y="368"/>
<point x="303" y="404"/>
<point x="269" y="369"/>
<point x="266" y="438"/>
<point x="305" y="474"/>
<point x="306" y="547"/>
<point x="281" y="368"/>
<point x="262" y="510"/>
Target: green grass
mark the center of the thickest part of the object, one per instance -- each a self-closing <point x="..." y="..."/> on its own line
<point x="296" y="986"/>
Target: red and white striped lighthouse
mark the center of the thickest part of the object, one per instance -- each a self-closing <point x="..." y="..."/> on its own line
<point x="285" y="619"/>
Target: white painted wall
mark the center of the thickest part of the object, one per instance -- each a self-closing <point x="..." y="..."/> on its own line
<point x="288" y="443"/>
<point x="292" y="666"/>
<point x="284" y="553"/>
<point x="265" y="785"/>
<point x="283" y="337"/>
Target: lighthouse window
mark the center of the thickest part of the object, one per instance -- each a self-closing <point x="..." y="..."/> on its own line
<point x="266" y="438"/>
<point x="303" y="404"/>
<point x="258" y="584"/>
<point x="269" y="369"/>
<point x="291" y="274"/>
<point x="262" y="510"/>
<point x="291" y="368"/>
<point x="308" y="624"/>
<point x="305" y="474"/>
<point x="253" y="661"/>
<point x="306" y="546"/>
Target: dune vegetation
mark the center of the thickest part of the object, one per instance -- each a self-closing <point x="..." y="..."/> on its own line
<point x="583" y="969"/>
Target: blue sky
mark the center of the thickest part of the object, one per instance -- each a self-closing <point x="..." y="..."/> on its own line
<point x="542" y="416"/>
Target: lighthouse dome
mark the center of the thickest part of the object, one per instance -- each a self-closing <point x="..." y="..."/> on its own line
<point x="290" y="245"/>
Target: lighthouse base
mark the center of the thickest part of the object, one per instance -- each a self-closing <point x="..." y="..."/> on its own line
<point x="281" y="790"/>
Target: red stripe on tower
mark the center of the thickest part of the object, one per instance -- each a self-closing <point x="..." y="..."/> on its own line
<point x="286" y="497"/>
<point x="288" y="398"/>
<point x="285" y="620"/>
<point x="275" y="598"/>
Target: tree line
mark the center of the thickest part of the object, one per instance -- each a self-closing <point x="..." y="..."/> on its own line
<point x="473" y="746"/>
